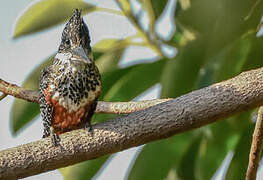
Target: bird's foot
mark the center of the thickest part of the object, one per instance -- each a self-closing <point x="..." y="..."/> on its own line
<point x="89" y="128"/>
<point x="54" y="137"/>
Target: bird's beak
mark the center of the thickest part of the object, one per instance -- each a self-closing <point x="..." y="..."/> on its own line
<point x="79" y="51"/>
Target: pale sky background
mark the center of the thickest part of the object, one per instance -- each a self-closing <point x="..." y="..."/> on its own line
<point x="19" y="57"/>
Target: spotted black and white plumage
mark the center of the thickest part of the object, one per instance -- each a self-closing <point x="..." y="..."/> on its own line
<point x="70" y="87"/>
<point x="46" y="110"/>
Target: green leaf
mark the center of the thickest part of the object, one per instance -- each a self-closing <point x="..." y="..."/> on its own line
<point x="96" y="55"/>
<point x="214" y="148"/>
<point x="254" y="58"/>
<point x="157" y="158"/>
<point x="187" y="165"/>
<point x="125" y="5"/>
<point x="206" y="77"/>
<point x="109" y="60"/>
<point x="220" y="22"/>
<point x="198" y="16"/>
<point x="106" y="45"/>
<point x="85" y="170"/>
<point x="109" y="78"/>
<point x="180" y="74"/>
<point x="215" y="144"/>
<point x="140" y="78"/>
<point x="238" y="166"/>
<point x="22" y="112"/>
<point x="233" y="58"/>
<point x="227" y="63"/>
<point x="158" y="7"/>
<point x="46" y="13"/>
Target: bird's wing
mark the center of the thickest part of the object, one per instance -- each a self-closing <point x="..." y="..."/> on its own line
<point x="46" y="109"/>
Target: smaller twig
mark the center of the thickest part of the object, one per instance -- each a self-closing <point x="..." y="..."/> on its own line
<point x="259" y="26"/>
<point x="102" y="107"/>
<point x="149" y="9"/>
<point x="252" y="10"/>
<point x="112" y="11"/>
<point x="19" y="92"/>
<point x="255" y="149"/>
<point x="127" y="107"/>
<point x="3" y="96"/>
<point x="153" y="43"/>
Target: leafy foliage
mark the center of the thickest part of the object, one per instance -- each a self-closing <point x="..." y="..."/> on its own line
<point x="35" y="18"/>
<point x="214" y="40"/>
<point x="84" y="170"/>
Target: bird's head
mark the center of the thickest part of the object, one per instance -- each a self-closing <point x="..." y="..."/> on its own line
<point x="75" y="35"/>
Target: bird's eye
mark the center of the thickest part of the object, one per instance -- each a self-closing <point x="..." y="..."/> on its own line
<point x="67" y="41"/>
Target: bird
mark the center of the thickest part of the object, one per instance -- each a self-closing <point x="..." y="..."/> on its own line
<point x="70" y="87"/>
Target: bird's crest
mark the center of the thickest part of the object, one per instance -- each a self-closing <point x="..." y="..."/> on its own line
<point x="75" y="34"/>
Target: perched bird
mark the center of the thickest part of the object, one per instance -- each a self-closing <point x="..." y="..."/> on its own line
<point x="70" y="87"/>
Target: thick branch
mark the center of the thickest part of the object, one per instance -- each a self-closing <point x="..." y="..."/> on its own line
<point x="190" y="111"/>
<point x="102" y="107"/>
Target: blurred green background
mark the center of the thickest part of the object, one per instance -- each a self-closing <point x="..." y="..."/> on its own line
<point x="207" y="41"/>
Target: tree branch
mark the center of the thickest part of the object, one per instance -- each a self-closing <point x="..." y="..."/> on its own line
<point x="102" y="107"/>
<point x="19" y="92"/>
<point x="189" y="111"/>
<point x="256" y="147"/>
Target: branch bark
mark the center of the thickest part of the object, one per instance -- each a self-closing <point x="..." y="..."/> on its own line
<point x="189" y="111"/>
<point x="256" y="147"/>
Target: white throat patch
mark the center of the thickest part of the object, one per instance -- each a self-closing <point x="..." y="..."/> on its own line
<point x="63" y="56"/>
